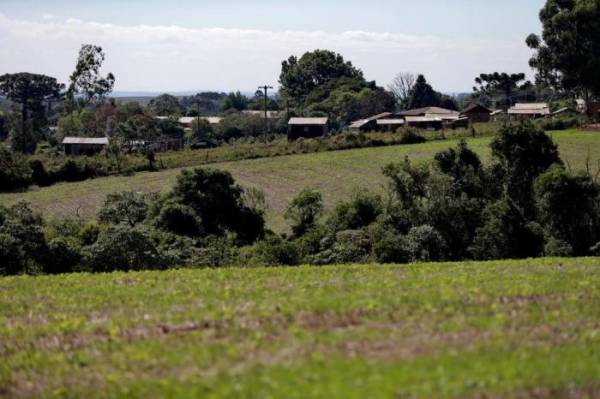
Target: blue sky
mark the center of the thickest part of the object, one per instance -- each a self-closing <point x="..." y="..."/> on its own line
<point x="189" y="45"/>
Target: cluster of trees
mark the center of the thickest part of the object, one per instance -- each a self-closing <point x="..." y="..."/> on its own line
<point x="322" y="83"/>
<point x="204" y="217"/>
<point x="412" y="91"/>
<point x="525" y="203"/>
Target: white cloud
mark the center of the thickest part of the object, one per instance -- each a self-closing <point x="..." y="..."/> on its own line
<point x="176" y="58"/>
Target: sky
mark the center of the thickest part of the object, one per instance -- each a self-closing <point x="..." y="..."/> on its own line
<point x="187" y="45"/>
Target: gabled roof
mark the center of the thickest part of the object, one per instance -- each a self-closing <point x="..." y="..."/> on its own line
<point x="497" y="112"/>
<point x="86" y="140"/>
<point x="308" y="121"/>
<point x="430" y="118"/>
<point x="362" y="122"/>
<point x="428" y="111"/>
<point x="530" y="109"/>
<point x="474" y="107"/>
<point x="270" y="114"/>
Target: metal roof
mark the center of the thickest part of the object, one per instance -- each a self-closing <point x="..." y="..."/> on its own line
<point x="86" y="140"/>
<point x="308" y="121"/>
<point x="474" y="107"/>
<point x="390" y="122"/>
<point x="413" y="119"/>
<point x="530" y="109"/>
<point x="428" y="111"/>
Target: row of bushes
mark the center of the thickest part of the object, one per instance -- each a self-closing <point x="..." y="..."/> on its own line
<point x="525" y="203"/>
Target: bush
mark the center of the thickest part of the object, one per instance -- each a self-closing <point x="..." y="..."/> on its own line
<point x="63" y="256"/>
<point x="424" y="243"/>
<point x="351" y="246"/>
<point x="391" y="248"/>
<point x="15" y="172"/>
<point x="125" y="207"/>
<point x="410" y="136"/>
<point x="362" y="210"/>
<point x="39" y="174"/>
<point x="273" y="251"/>
<point x="125" y="248"/>
<point x="304" y="210"/>
<point x="179" y="219"/>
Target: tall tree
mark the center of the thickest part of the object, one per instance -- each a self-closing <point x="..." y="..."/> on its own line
<point x="401" y="87"/>
<point x="493" y="84"/>
<point x="33" y="93"/>
<point x="300" y="76"/>
<point x="165" y="104"/>
<point x="86" y="79"/>
<point x="567" y="55"/>
<point x="236" y="101"/>
<point x="423" y="95"/>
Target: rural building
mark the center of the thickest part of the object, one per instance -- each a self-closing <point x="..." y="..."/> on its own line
<point x="390" y="125"/>
<point x="84" y="145"/>
<point x="524" y="111"/>
<point x="424" y="122"/>
<point x="188" y="120"/>
<point x="434" y="112"/>
<point x="498" y="115"/>
<point x="307" y="127"/>
<point x="476" y="113"/>
<point x="369" y="124"/>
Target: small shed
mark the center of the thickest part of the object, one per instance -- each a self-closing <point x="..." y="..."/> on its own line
<point x="307" y="127"/>
<point x="84" y="145"/>
<point x="476" y="113"/>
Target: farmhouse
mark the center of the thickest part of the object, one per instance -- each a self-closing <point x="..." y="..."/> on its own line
<point x="84" y="145"/>
<point x="370" y="123"/>
<point x="307" y="127"/>
<point x="524" y="111"/>
<point x="476" y="113"/>
<point x="188" y="120"/>
<point x="424" y="122"/>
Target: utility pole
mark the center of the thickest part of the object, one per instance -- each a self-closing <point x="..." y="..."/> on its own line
<point x="265" y="88"/>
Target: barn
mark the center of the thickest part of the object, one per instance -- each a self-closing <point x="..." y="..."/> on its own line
<point x="307" y="127"/>
<point x="476" y="113"/>
<point x="84" y="145"/>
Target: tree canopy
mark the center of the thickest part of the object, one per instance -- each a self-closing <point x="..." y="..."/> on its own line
<point x="493" y="84"/>
<point x="86" y="78"/>
<point x="567" y="55"/>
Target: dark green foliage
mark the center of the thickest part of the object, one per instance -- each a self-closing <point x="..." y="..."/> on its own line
<point x="568" y="53"/>
<point x="15" y="173"/>
<point x="304" y="210"/>
<point x="39" y="174"/>
<point x="524" y="152"/>
<point x="410" y="136"/>
<point x="122" y="247"/>
<point x="391" y="247"/>
<point x="506" y="233"/>
<point x="362" y="210"/>
<point x="32" y="92"/>
<point x="86" y="79"/>
<point x="423" y="95"/>
<point x="179" y="219"/>
<point x="351" y="246"/>
<point x="464" y="167"/>
<point x="63" y="256"/>
<point x="13" y="259"/>
<point x="165" y="104"/>
<point x="217" y="201"/>
<point x="236" y="101"/>
<point x="236" y="125"/>
<point x="127" y="207"/>
<point x="424" y="243"/>
<point x="273" y="251"/>
<point x="568" y="205"/>
<point x="490" y="85"/>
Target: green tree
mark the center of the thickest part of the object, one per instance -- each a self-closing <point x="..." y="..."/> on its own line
<point x="524" y="152"/>
<point x="493" y="84"/>
<point x="300" y="76"/>
<point x="126" y="207"/>
<point x="304" y="210"/>
<point x="423" y="95"/>
<point x="86" y="79"/>
<point x="568" y="205"/>
<point x="165" y="104"/>
<point x="32" y="93"/>
<point x="567" y="55"/>
<point x="236" y="101"/>
<point x="15" y="173"/>
<point x="201" y="130"/>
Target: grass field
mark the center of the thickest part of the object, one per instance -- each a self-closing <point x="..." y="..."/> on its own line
<point x="511" y="329"/>
<point x="335" y="174"/>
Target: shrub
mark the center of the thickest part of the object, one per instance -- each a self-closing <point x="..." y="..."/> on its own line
<point x="13" y="259"/>
<point x="125" y="207"/>
<point x="63" y="256"/>
<point x="15" y="172"/>
<point x="424" y="243"/>
<point x="125" y="248"/>
<point x="179" y="219"/>
<point x="351" y="246"/>
<point x="273" y="251"/>
<point x="304" y="210"/>
<point x="362" y="210"/>
<point x="410" y="136"/>
<point x="391" y="248"/>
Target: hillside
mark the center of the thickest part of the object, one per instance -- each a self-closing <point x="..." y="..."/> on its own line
<point x="419" y="331"/>
<point x="336" y="174"/>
